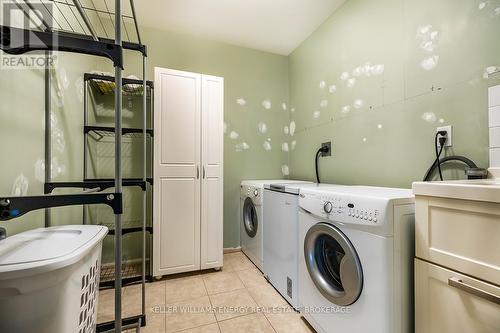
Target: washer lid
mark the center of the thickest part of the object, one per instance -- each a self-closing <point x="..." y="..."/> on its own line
<point x="54" y="247"/>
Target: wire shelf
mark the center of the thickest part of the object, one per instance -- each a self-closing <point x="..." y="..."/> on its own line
<point x="128" y="227"/>
<point x="131" y="272"/>
<point x="80" y="26"/>
<point x="105" y="131"/>
<point x="108" y="88"/>
<point x="72" y="16"/>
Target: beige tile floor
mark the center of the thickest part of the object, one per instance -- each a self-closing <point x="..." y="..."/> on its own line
<point x="235" y="299"/>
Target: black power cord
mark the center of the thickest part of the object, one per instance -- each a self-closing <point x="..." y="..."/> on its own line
<point x="320" y="152"/>
<point x="441" y="138"/>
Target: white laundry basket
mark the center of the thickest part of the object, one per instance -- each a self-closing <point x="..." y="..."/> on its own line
<point x="49" y="280"/>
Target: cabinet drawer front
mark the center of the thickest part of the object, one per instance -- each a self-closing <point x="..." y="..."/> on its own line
<point x="443" y="307"/>
<point x="461" y="235"/>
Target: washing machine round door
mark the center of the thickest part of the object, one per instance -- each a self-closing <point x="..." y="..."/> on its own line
<point x="250" y="219"/>
<point x="333" y="264"/>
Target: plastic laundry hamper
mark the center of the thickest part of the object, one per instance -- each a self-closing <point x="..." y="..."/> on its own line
<point x="49" y="280"/>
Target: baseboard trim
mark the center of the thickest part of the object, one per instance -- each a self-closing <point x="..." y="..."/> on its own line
<point x="232" y="249"/>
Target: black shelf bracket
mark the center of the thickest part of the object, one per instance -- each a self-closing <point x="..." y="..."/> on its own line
<point x="101" y="184"/>
<point x="18" y="41"/>
<point x="128" y="45"/>
<point x="108" y="129"/>
<point x="12" y="207"/>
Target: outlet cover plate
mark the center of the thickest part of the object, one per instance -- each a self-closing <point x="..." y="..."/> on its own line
<point x="449" y="140"/>
<point x="329" y="145"/>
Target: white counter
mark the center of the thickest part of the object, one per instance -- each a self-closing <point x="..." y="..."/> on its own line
<point x="478" y="190"/>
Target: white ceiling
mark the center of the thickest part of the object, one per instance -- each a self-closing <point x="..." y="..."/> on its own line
<point x="276" y="26"/>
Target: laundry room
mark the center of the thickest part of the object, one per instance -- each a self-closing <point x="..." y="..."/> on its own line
<point x="291" y="166"/>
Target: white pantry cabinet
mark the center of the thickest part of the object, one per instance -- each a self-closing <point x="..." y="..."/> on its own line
<point x="188" y="172"/>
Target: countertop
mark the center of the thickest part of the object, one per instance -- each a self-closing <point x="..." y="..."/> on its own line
<point x="478" y="190"/>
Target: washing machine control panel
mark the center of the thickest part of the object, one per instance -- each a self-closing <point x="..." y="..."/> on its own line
<point x="252" y="192"/>
<point x="344" y="208"/>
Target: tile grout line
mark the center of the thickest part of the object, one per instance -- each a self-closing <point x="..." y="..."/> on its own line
<point x="231" y="291"/>
<point x="265" y="316"/>
<point x="248" y="292"/>
<point x="186" y="300"/>
<point x="195" y="327"/>
<point x="210" y="301"/>
<point x="258" y="305"/>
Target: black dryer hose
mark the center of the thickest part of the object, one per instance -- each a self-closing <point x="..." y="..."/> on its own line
<point x="463" y="159"/>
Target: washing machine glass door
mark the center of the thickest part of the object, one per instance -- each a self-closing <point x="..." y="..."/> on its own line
<point x="333" y="264"/>
<point x="250" y="219"/>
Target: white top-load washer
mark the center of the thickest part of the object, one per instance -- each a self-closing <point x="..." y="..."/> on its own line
<point x="251" y="210"/>
<point x="281" y="237"/>
<point x="355" y="264"/>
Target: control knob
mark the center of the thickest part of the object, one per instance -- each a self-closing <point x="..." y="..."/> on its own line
<point x="328" y="207"/>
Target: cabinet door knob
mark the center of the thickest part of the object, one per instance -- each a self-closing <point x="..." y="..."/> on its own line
<point x="203" y="171"/>
<point x="197" y="172"/>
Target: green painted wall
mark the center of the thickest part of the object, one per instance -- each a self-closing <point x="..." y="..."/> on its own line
<point x="249" y="74"/>
<point x="22" y="131"/>
<point x="434" y="56"/>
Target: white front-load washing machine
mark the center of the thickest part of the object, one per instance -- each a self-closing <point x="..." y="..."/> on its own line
<point x="251" y="212"/>
<point x="355" y="262"/>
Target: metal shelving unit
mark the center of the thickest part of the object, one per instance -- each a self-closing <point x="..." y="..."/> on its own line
<point x="105" y="85"/>
<point x="93" y="28"/>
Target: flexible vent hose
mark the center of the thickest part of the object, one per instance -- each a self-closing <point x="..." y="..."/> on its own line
<point x="462" y="159"/>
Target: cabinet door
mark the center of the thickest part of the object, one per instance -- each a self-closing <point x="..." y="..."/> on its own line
<point x="459" y="234"/>
<point x="442" y="306"/>
<point x="212" y="172"/>
<point x="176" y="213"/>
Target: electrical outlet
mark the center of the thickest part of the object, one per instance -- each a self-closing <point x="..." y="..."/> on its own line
<point x="449" y="135"/>
<point x="329" y="145"/>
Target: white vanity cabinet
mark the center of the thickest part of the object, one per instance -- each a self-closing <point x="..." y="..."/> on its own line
<point x="457" y="264"/>
<point x="188" y="172"/>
